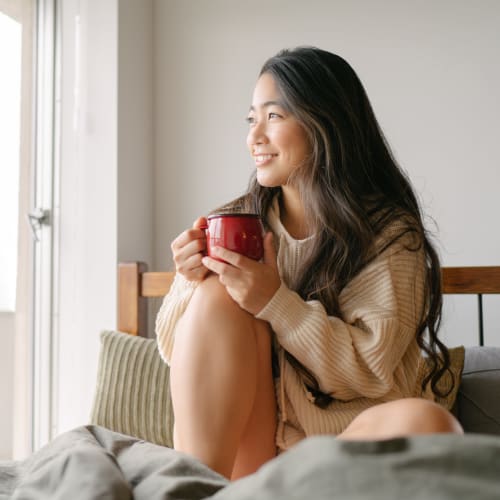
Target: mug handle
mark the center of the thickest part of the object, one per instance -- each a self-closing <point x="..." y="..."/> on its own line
<point x="204" y="227"/>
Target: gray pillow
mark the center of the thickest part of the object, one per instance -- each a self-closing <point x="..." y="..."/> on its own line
<point x="478" y="399"/>
<point x="133" y="389"/>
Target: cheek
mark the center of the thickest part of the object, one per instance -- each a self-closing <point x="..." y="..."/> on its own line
<point x="281" y="140"/>
<point x="293" y="140"/>
<point x="295" y="149"/>
<point x="302" y="145"/>
<point x="304" y="151"/>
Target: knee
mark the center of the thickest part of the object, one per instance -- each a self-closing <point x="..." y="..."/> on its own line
<point x="430" y="417"/>
<point x="426" y="417"/>
<point x="212" y="313"/>
<point x="211" y="294"/>
<point x="210" y="307"/>
<point x="403" y="417"/>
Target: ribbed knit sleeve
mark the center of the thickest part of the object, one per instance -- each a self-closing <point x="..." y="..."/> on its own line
<point x="173" y="307"/>
<point x="356" y="355"/>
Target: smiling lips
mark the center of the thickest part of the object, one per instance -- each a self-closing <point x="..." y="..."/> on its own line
<point x="263" y="159"/>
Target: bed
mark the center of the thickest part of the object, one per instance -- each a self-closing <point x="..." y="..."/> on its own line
<point x="125" y="450"/>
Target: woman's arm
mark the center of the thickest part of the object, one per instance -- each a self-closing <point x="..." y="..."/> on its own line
<point x="356" y="355"/>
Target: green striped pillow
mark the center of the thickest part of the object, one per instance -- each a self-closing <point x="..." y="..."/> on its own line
<point x="133" y="390"/>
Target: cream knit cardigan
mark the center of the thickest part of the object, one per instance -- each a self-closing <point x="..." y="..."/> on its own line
<point x="368" y="356"/>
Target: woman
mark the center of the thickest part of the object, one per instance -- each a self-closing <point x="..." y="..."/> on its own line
<point x="347" y="289"/>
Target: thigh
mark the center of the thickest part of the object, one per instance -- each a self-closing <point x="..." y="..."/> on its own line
<point x="216" y="335"/>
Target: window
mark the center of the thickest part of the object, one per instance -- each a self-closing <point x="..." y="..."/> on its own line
<point x="17" y="56"/>
<point x="10" y="134"/>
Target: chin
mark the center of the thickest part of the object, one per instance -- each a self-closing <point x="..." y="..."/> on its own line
<point x="267" y="182"/>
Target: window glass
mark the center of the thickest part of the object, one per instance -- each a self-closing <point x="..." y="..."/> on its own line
<point x="10" y="116"/>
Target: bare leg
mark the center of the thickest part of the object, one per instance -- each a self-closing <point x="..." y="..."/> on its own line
<point x="258" y="442"/>
<point x="221" y="383"/>
<point x="403" y="417"/>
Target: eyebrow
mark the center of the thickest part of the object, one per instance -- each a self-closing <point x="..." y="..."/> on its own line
<point x="267" y="104"/>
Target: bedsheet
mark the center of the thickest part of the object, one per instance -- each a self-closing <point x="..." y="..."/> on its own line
<point x="92" y="462"/>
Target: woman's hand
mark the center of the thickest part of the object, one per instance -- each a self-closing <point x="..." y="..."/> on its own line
<point x="188" y="250"/>
<point x="251" y="284"/>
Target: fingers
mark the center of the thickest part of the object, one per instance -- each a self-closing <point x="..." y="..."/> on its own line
<point x="192" y="268"/>
<point x="200" y="222"/>
<point x="215" y="265"/>
<point x="232" y="268"/>
<point x="235" y="259"/>
<point x="188" y="249"/>
<point x="184" y="248"/>
<point x="227" y="264"/>
<point x="186" y="237"/>
<point x="189" y="263"/>
<point x="250" y="284"/>
<point x="229" y="275"/>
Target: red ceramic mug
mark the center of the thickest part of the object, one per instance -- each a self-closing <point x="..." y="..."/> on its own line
<point x="239" y="232"/>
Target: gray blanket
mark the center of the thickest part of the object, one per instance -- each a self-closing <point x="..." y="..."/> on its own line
<point x="95" y="463"/>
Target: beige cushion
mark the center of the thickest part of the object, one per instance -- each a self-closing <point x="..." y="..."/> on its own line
<point x="446" y="382"/>
<point x="133" y="391"/>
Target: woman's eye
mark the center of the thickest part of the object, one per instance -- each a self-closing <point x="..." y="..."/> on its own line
<point x="252" y="120"/>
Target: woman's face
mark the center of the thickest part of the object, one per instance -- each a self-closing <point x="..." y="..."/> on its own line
<point x="277" y="141"/>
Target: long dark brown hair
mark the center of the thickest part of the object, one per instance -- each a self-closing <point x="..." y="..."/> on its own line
<point x="352" y="189"/>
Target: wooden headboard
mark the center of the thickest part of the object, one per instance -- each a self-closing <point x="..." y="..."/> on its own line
<point x="136" y="284"/>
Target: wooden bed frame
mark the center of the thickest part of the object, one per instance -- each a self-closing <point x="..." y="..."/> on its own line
<point x="136" y="284"/>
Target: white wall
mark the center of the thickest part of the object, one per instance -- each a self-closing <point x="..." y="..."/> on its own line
<point x="135" y="130"/>
<point x="106" y="181"/>
<point x="430" y="68"/>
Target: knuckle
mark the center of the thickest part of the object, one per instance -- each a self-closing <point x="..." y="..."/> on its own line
<point x="245" y="295"/>
<point x="238" y="260"/>
<point x="191" y="234"/>
<point x="196" y="260"/>
<point x="224" y="273"/>
<point x="200" y="244"/>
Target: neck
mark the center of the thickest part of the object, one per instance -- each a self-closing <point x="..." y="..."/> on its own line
<point x="292" y="214"/>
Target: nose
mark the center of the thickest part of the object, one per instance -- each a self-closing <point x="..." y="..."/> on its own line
<point x="257" y="134"/>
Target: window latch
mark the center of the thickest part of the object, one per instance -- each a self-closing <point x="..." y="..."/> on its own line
<point x="37" y="218"/>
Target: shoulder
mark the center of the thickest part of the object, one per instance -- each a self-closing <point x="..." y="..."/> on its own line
<point x="402" y="233"/>
<point x="397" y="251"/>
<point x="394" y="276"/>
